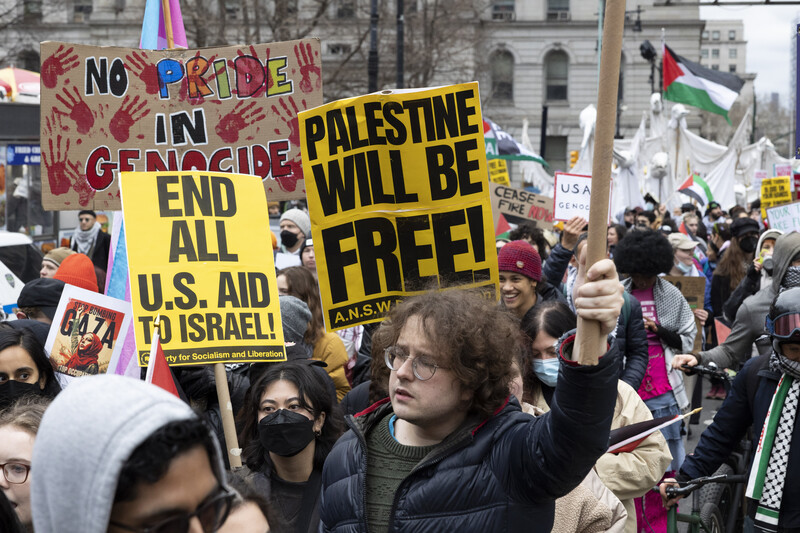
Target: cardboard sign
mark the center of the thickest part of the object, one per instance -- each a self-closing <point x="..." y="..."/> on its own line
<point x="572" y="196"/>
<point x="87" y="333"/>
<point x="693" y="288"/>
<point x="517" y="205"/>
<point x="782" y="169"/>
<point x="758" y="177"/>
<point x="498" y="172"/>
<point x="785" y="217"/>
<point x="398" y="198"/>
<point x="198" y="250"/>
<point x="107" y="110"/>
<point x="775" y="191"/>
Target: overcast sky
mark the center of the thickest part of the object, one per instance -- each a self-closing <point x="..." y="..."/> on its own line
<point x="769" y="32"/>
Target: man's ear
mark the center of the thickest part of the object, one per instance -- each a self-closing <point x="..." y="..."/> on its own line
<point x="21" y="315"/>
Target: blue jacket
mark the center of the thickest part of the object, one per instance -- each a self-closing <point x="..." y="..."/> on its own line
<point x="501" y="474"/>
<point x="730" y="425"/>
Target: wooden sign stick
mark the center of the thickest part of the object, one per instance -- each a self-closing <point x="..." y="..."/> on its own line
<point x="226" y="411"/>
<point x="590" y="342"/>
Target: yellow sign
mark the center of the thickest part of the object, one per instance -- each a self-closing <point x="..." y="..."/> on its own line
<point x="398" y="197"/>
<point x="198" y="252"/>
<point x="498" y="172"/>
<point x="775" y="191"/>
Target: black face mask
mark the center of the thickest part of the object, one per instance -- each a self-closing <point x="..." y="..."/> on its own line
<point x="748" y="244"/>
<point x="12" y="390"/>
<point x="285" y="433"/>
<point x="288" y="238"/>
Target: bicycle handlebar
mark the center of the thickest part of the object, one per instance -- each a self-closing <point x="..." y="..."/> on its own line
<point x="690" y="486"/>
<point x="711" y="371"/>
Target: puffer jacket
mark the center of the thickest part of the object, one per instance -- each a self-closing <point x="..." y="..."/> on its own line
<point x="501" y="474"/>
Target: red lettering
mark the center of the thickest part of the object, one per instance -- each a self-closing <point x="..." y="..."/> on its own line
<point x="278" y="151"/>
<point x="100" y="178"/>
<point x="218" y="157"/>
<point x="125" y="157"/>
<point x="194" y="160"/>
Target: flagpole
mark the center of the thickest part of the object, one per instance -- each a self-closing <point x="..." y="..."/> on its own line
<point x="589" y="340"/>
<point x="151" y="362"/>
<point x="168" y="24"/>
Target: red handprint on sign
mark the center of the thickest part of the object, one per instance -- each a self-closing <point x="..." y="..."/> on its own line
<point x="248" y="70"/>
<point x="60" y="171"/>
<point x="309" y="67"/>
<point x="288" y="115"/>
<point x="77" y="110"/>
<point x="58" y="64"/>
<point x="242" y="116"/>
<point x="144" y="70"/>
<point x="126" y="116"/>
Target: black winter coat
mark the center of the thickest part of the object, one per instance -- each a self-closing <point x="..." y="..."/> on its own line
<point x="632" y="342"/>
<point x="502" y="474"/>
<point x="729" y="427"/>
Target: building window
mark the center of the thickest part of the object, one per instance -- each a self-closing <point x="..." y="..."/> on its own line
<point x="731" y="68"/>
<point x="704" y="53"/>
<point x="732" y="35"/>
<point x="715" y="35"/>
<point x="81" y="9"/>
<point x="503" y="10"/>
<point x="29" y="60"/>
<point x="232" y="9"/>
<point x="715" y="52"/>
<point x="503" y="75"/>
<point x="732" y="53"/>
<point x="345" y="9"/>
<point x="555" y="152"/>
<point x="557" y="9"/>
<point x="714" y="67"/>
<point x="339" y="49"/>
<point x="32" y="11"/>
<point x="556" y="70"/>
<point x="705" y="35"/>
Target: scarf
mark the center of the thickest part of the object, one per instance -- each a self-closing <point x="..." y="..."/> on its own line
<point x="86" y="239"/>
<point x="791" y="278"/>
<point x="768" y="473"/>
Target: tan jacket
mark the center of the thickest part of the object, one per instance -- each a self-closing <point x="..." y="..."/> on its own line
<point x="630" y="475"/>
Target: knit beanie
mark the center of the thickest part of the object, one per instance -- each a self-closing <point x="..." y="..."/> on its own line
<point x="57" y="255"/>
<point x="78" y="270"/>
<point x="522" y="258"/>
<point x="300" y="218"/>
<point x="295" y="317"/>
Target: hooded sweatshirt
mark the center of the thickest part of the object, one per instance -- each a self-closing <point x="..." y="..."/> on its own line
<point x="752" y="282"/>
<point x="749" y="323"/>
<point x="85" y="437"/>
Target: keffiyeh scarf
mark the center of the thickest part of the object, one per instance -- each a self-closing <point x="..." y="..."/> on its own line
<point x="86" y="239"/>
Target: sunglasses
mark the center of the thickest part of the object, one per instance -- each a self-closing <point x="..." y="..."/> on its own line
<point x="784" y="326"/>
<point x="211" y="515"/>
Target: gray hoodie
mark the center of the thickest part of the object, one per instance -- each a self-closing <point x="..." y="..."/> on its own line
<point x="749" y="323"/>
<point x="86" y="435"/>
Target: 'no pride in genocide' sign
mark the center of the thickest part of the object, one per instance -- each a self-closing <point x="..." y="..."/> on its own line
<point x="106" y="110"/>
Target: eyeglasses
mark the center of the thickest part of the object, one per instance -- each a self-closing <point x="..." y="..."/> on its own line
<point x="423" y="367"/>
<point x="784" y="326"/>
<point x="16" y="473"/>
<point x="211" y="516"/>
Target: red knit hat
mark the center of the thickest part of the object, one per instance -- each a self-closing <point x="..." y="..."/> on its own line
<point x="522" y="258"/>
<point x="78" y="270"/>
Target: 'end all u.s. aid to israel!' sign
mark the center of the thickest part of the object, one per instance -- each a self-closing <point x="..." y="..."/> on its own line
<point x="398" y="196"/>
<point x="107" y="110"/>
<point x="199" y="256"/>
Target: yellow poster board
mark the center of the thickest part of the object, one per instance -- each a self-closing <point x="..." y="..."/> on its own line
<point x="775" y="191"/>
<point x="199" y="256"/>
<point x="398" y="195"/>
<point x="498" y="172"/>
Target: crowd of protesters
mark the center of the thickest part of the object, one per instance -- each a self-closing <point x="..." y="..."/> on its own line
<point x="452" y="414"/>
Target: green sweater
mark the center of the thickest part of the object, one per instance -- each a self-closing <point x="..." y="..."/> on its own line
<point x="388" y="464"/>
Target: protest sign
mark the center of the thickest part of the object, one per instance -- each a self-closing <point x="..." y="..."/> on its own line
<point x="498" y="172"/>
<point x="784" y="217"/>
<point x="775" y="191"/>
<point x="87" y="332"/>
<point x="517" y="206"/>
<point x="693" y="288"/>
<point x="107" y="110"/>
<point x="398" y="198"/>
<point x="758" y="177"/>
<point x="572" y="194"/>
<point x="782" y="169"/>
<point x="199" y="253"/>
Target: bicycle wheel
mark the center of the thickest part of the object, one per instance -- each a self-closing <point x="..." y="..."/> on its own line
<point x="711" y="516"/>
<point x="720" y="494"/>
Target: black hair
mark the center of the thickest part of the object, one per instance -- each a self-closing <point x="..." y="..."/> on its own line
<point x="554" y="317"/>
<point x="314" y="396"/>
<point x="9" y="522"/>
<point x="150" y="460"/>
<point x="528" y="229"/>
<point x="87" y="212"/>
<point x="644" y="252"/>
<point x="620" y="229"/>
<point x="26" y="339"/>
<point x="247" y="493"/>
<point x="651" y="215"/>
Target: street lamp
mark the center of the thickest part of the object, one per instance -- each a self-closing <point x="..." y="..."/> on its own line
<point x="649" y="53"/>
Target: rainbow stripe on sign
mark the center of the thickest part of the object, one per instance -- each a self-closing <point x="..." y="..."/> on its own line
<point x="162" y="19"/>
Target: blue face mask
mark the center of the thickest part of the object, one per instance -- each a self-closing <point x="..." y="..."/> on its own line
<point x="648" y="206"/>
<point x="686" y="269"/>
<point x="547" y="370"/>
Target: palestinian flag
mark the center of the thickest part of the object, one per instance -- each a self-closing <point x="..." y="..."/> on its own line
<point x="696" y="189"/>
<point x="690" y="83"/>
